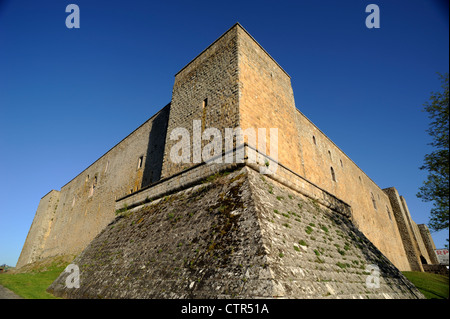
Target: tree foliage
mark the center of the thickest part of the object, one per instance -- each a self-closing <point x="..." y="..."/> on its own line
<point x="436" y="187"/>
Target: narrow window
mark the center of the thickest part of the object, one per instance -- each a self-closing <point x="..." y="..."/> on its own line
<point x="140" y="160"/>
<point x="373" y="201"/>
<point x="389" y="213"/>
<point x="94" y="184"/>
<point x="204" y="105"/>
<point x="342" y="165"/>
<point x="333" y="177"/>
<point x="329" y="154"/>
<point x="314" y="140"/>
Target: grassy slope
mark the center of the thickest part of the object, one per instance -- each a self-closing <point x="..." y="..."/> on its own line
<point x="431" y="285"/>
<point x="33" y="283"/>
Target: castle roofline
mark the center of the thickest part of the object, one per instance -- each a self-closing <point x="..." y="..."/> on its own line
<point x="237" y="24"/>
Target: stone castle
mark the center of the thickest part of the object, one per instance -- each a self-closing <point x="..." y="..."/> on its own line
<point x="311" y="229"/>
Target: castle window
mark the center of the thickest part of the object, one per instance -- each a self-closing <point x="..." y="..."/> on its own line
<point x="204" y="105"/>
<point x="329" y="154"/>
<point x="314" y="140"/>
<point x="373" y="201"/>
<point x="333" y="176"/>
<point x="140" y="160"/>
<point x="94" y="184"/>
<point x="389" y="213"/>
<point x="342" y="165"/>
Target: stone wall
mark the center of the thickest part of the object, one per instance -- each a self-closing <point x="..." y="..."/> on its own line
<point x="406" y="232"/>
<point x="40" y="229"/>
<point x="203" y="171"/>
<point x="205" y="90"/>
<point x="436" y="269"/>
<point x="326" y="165"/>
<point x="67" y="221"/>
<point x="429" y="243"/>
<point x="267" y="100"/>
<point x="239" y="235"/>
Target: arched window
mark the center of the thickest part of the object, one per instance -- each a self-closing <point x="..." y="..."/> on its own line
<point x="333" y="176"/>
<point x="314" y="140"/>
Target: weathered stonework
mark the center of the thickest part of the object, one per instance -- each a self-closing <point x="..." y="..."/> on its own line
<point x="429" y="243"/>
<point x="212" y="76"/>
<point x="40" y="229"/>
<point x="238" y="235"/>
<point x="232" y="83"/>
<point x="67" y="220"/>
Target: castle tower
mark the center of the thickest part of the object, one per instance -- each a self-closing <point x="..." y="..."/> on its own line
<point x="403" y="221"/>
<point x="429" y="243"/>
<point x="233" y="83"/>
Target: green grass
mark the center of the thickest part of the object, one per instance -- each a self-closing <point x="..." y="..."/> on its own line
<point x="431" y="285"/>
<point x="32" y="285"/>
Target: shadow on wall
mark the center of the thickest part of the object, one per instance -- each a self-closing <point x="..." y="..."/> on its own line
<point x="155" y="150"/>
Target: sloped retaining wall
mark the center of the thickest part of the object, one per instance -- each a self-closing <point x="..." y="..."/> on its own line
<point x="239" y="235"/>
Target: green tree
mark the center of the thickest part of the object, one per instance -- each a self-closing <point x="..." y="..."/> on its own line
<point x="435" y="188"/>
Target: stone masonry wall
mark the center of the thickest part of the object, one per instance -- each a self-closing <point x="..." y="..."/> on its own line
<point x="429" y="243"/>
<point x="411" y="248"/>
<point x="267" y="99"/>
<point x="40" y="229"/>
<point x="418" y="241"/>
<point x="237" y="235"/>
<point x="86" y="203"/>
<point x="371" y="207"/>
<point x="315" y="251"/>
<point x="211" y="78"/>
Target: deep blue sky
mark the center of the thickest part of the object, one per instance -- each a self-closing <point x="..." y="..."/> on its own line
<point x="68" y="95"/>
